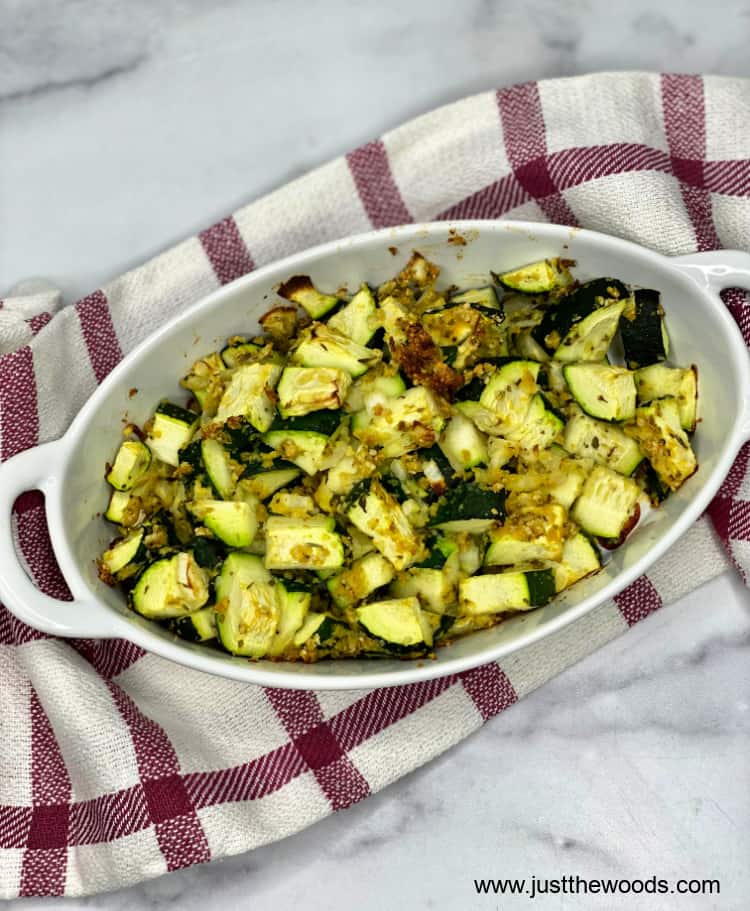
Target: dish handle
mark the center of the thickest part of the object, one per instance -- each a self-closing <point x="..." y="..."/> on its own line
<point x="714" y="271"/>
<point x="35" y="469"/>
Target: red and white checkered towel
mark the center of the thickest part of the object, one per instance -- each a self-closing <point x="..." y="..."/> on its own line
<point x="114" y="764"/>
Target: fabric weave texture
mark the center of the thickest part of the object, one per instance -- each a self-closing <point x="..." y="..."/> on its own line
<point x="114" y="764"/>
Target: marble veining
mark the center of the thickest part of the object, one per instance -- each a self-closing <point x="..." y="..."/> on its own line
<point x="128" y="126"/>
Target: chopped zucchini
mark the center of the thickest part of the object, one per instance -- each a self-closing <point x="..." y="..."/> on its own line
<point x="171" y="587"/>
<point x="310" y="543"/>
<point x="456" y="323"/>
<point x="250" y="394"/>
<point x="528" y="347"/>
<point x="535" y="533"/>
<point x="171" y="431"/>
<point x="602" y="391"/>
<point x="567" y="482"/>
<point x="303" y="440"/>
<point x="131" y="463"/>
<point x="441" y="548"/>
<point x="361" y="579"/>
<point x="305" y="389"/>
<point x="357" y="320"/>
<point x="247" y="618"/>
<point x="265" y="483"/>
<point x="509" y="591"/>
<point x="233" y="522"/>
<point x="376" y="513"/>
<point x="642" y="329"/>
<point x="604" y="443"/>
<point x="589" y="339"/>
<point x="435" y="589"/>
<point x="411" y="421"/>
<point x="300" y="290"/>
<point x="239" y="353"/>
<point x="463" y="445"/>
<point x="508" y="394"/>
<point x="294" y="607"/>
<point x="125" y="552"/>
<point x="541" y="426"/>
<point x="659" y="381"/>
<point x="293" y="504"/>
<point x="469" y="508"/>
<point x="606" y="504"/>
<point x="372" y="389"/>
<point x="318" y="627"/>
<point x="218" y="467"/>
<point x="575" y="306"/>
<point x="479" y="297"/>
<point x="535" y="278"/>
<point x="321" y="346"/>
<point x="580" y="558"/>
<point x="242" y="567"/>
<point x="658" y="430"/>
<point x="197" y="627"/>
<point x="398" y="622"/>
<point x="123" y="508"/>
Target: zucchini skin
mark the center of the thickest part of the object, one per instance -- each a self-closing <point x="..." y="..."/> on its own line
<point x="643" y="336"/>
<point x="323" y="422"/>
<point x="470" y="501"/>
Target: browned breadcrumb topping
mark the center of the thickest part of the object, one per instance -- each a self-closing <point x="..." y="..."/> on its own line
<point x="422" y="361"/>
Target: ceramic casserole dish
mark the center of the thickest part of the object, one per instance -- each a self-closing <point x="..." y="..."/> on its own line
<point x="69" y="471"/>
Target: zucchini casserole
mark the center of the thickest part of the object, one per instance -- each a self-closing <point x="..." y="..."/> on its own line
<point x="379" y="473"/>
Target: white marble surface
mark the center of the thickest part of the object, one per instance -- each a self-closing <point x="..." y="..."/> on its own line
<point x="125" y="126"/>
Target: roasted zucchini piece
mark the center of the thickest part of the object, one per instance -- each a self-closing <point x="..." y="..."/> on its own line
<point x="233" y="522"/>
<point x="602" y="391"/>
<point x="305" y="389"/>
<point x="398" y="623"/>
<point x="478" y="297"/>
<point x="250" y="395"/>
<point x="126" y="552"/>
<point x="469" y="508"/>
<point x="658" y="430"/>
<point x="378" y="514"/>
<point x="197" y="627"/>
<point x="463" y="445"/>
<point x="604" y="443"/>
<point x="357" y="320"/>
<point x="322" y="346"/>
<point x="360" y="580"/>
<point x="397" y="426"/>
<point x="513" y="590"/>
<point x="606" y="504"/>
<point x="535" y="533"/>
<point x="171" y="430"/>
<point x="239" y="353"/>
<point x="559" y="320"/>
<point x="171" y="587"/>
<point x="131" y="463"/>
<point x="659" y="381"/>
<point x="303" y="440"/>
<point x="300" y="290"/>
<point x="294" y="607"/>
<point x="535" y="278"/>
<point x="580" y="558"/>
<point x="310" y="543"/>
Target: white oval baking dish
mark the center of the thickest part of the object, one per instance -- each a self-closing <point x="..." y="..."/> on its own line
<point x="69" y="471"/>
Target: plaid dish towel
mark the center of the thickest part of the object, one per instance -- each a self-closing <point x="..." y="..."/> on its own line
<point x="114" y="767"/>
